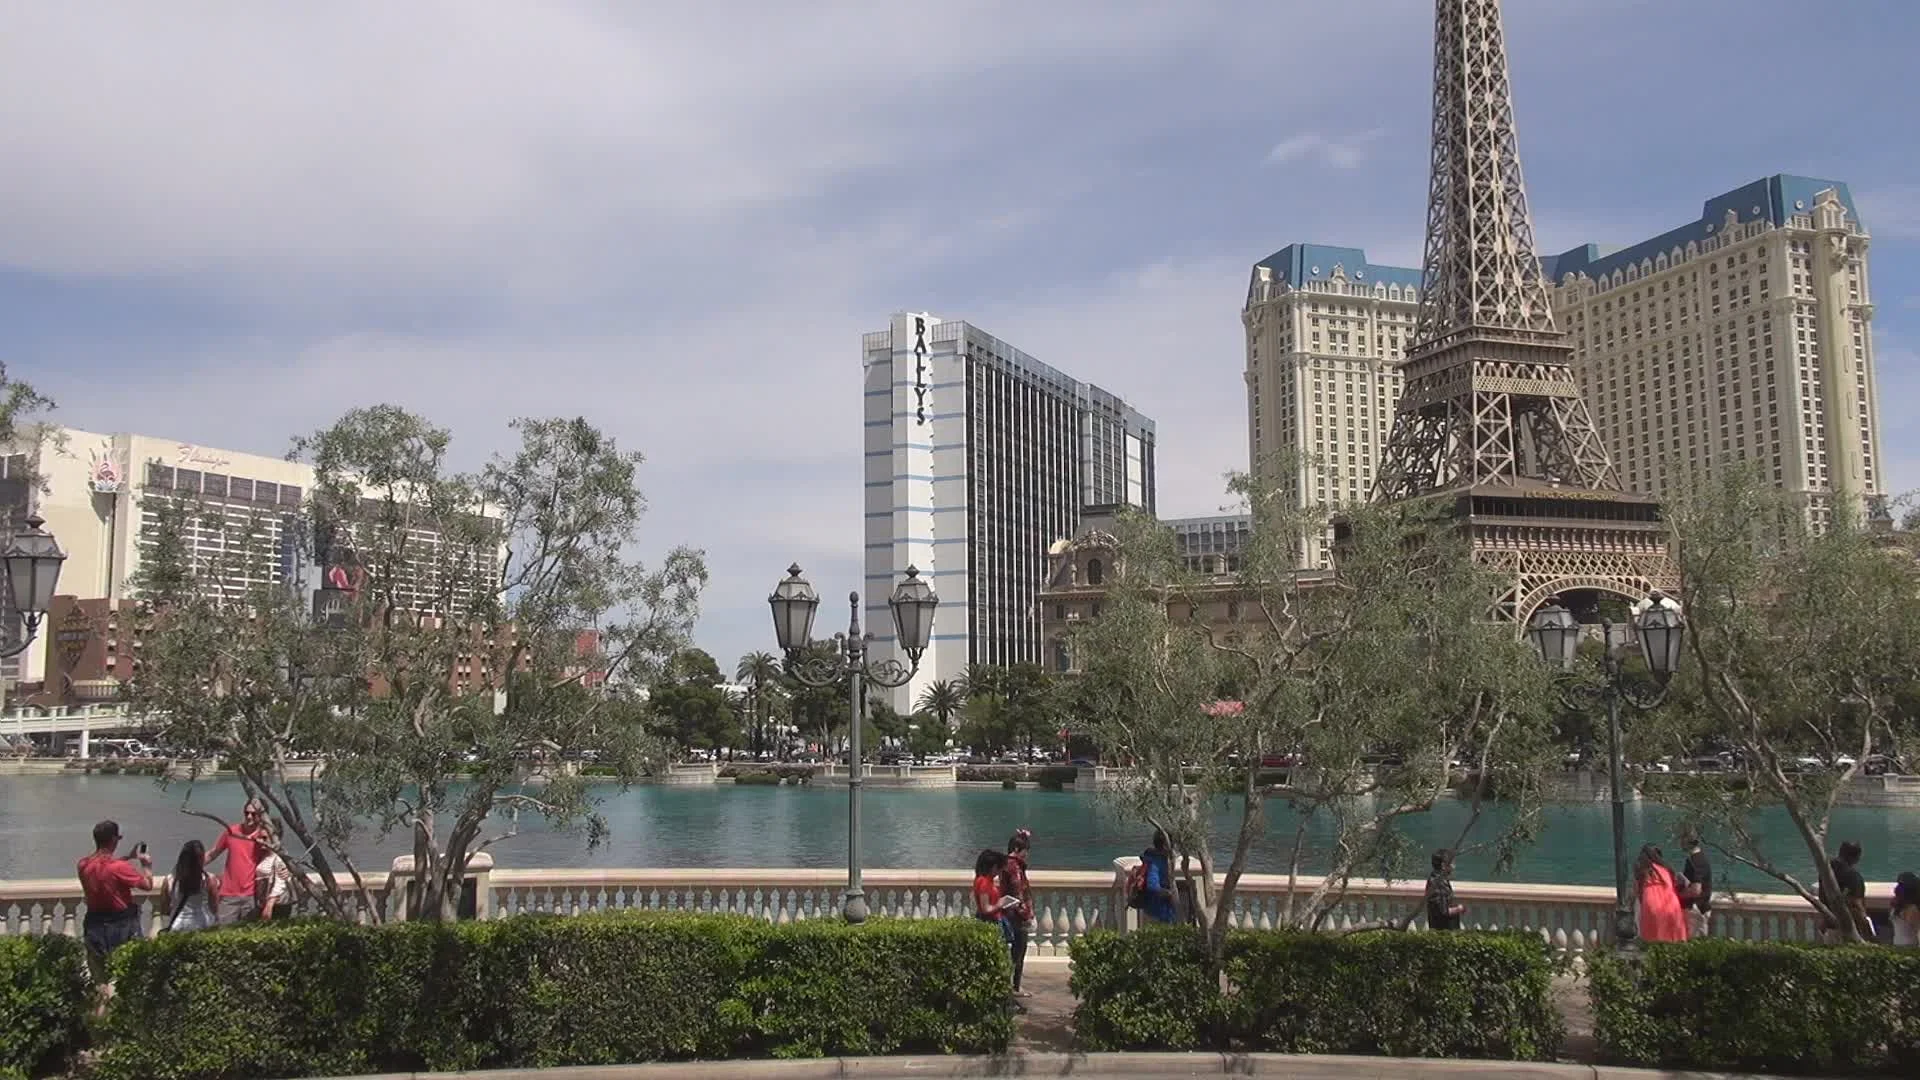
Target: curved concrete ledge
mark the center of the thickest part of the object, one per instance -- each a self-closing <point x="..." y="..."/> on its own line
<point x="1294" y="1066"/>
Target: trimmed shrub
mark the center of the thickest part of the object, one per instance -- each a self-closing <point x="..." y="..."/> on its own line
<point x="1464" y="995"/>
<point x="828" y="989"/>
<point x="538" y="991"/>
<point x="762" y="779"/>
<point x="1009" y="784"/>
<point x="44" y="997"/>
<point x="1738" y="1006"/>
<point x="1451" y="995"/>
<point x="1147" y="990"/>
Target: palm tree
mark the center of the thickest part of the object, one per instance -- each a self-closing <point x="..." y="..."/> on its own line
<point x="758" y="670"/>
<point x="943" y="699"/>
<point x="982" y="680"/>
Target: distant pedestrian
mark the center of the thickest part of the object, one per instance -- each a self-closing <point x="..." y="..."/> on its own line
<point x="1697" y="888"/>
<point x="1851" y="903"/>
<point x="1013" y="883"/>
<point x="1661" y="918"/>
<point x="192" y="895"/>
<point x="1905" y="913"/>
<point x="240" y="843"/>
<point x="990" y="904"/>
<point x="1156" y="889"/>
<point x="1442" y="912"/>
<point x="107" y="882"/>
<point x="271" y="878"/>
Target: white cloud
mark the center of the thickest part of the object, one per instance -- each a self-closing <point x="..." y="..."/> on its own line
<point x="1344" y="152"/>
<point x="445" y="140"/>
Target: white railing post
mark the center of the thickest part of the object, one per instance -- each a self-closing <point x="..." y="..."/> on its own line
<point x="399" y="888"/>
<point x="1125" y="918"/>
<point x="480" y="872"/>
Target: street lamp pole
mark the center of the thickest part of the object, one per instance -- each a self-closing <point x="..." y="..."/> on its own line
<point x="1657" y="623"/>
<point x="794" y="603"/>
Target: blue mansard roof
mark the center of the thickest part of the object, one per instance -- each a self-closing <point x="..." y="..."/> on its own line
<point x="1775" y="198"/>
<point x="1297" y="264"/>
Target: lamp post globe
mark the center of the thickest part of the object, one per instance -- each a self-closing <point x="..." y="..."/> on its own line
<point x="913" y="603"/>
<point x="33" y="560"/>
<point x="1556" y="633"/>
<point x="794" y="603"/>
<point x="1662" y="631"/>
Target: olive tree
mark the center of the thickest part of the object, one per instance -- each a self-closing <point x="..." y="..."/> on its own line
<point x="443" y="680"/>
<point x="230" y="664"/>
<point x="1370" y="678"/>
<point x="20" y="403"/>
<point x="1801" y="645"/>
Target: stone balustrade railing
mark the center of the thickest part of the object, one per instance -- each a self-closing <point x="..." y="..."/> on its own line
<point x="1067" y="903"/>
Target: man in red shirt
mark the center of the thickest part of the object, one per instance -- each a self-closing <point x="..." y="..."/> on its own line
<point x="241" y="845"/>
<point x="108" y="881"/>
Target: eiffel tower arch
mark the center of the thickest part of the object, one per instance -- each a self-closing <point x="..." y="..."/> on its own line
<point x="1491" y="421"/>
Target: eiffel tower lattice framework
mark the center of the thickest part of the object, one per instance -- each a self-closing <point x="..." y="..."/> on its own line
<point x="1491" y="418"/>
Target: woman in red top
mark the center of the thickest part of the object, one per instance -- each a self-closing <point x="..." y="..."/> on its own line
<point x="1013" y="883"/>
<point x="990" y="904"/>
<point x="988" y="901"/>
<point x="1661" y="916"/>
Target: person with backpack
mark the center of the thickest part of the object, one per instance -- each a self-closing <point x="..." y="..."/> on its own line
<point x="1696" y="888"/>
<point x="1150" y="884"/>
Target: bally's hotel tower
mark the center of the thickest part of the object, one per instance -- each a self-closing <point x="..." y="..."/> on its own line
<point x="978" y="458"/>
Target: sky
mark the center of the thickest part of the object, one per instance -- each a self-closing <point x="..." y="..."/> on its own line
<point x="228" y="223"/>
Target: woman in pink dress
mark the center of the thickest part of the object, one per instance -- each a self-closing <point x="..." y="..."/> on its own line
<point x="1662" y="918"/>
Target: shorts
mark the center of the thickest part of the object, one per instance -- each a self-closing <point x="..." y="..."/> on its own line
<point x="239" y="908"/>
<point x="105" y="931"/>
<point x="1698" y="922"/>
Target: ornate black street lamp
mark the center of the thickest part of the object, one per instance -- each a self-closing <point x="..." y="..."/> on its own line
<point x="794" y="603"/>
<point x="1657" y="623"/>
<point x="33" y="560"/>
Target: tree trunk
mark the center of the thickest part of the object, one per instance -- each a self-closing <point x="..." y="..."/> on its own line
<point x="426" y="902"/>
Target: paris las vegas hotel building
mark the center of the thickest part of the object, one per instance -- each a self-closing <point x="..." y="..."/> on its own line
<point x="1740" y="336"/>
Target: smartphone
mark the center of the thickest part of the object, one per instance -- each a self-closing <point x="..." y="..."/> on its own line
<point x="140" y="848"/>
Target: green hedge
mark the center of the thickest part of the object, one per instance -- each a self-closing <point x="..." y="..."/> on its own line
<point x="1147" y="990"/>
<point x="1736" y="1006"/>
<point x="44" y="997"/>
<point x="1462" y="995"/>
<point x="1452" y="995"/>
<point x="539" y="991"/>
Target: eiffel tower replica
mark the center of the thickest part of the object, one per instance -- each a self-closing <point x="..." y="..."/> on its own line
<point x="1491" y="420"/>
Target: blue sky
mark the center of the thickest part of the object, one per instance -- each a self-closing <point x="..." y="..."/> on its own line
<point x="227" y="223"/>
